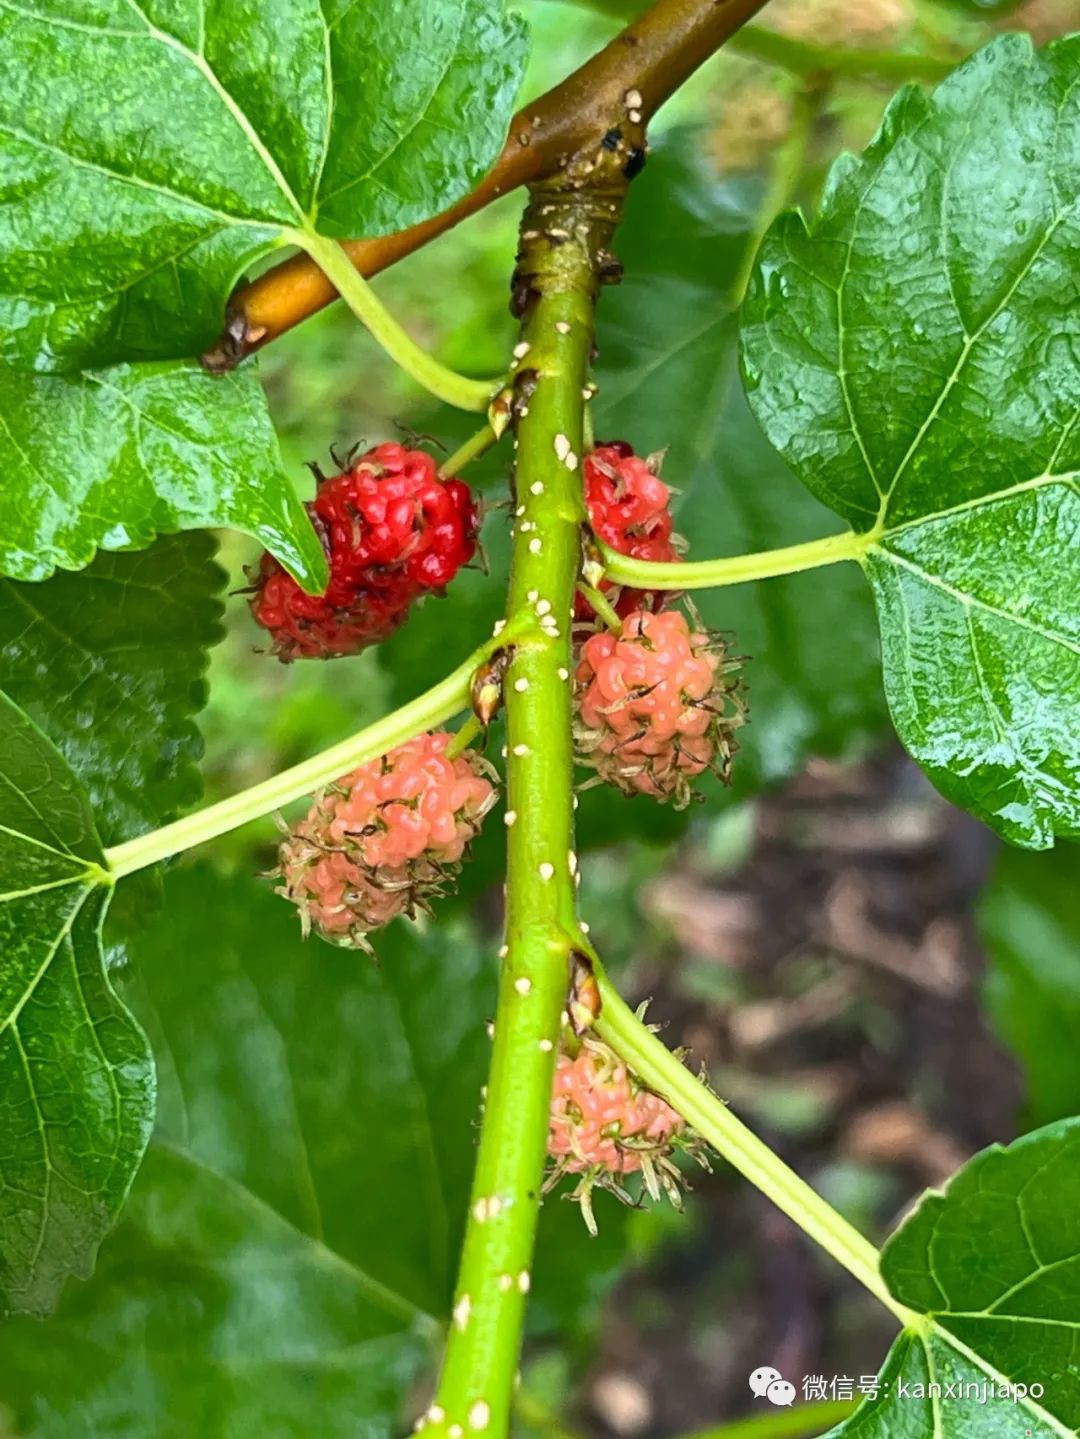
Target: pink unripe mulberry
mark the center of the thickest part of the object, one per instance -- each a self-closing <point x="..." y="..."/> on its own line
<point x="605" y="1125"/>
<point x="601" y="1118"/>
<point x="384" y="839"/>
<point x="657" y="705"/>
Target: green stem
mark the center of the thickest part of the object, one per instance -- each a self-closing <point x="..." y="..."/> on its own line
<point x="787" y="171"/>
<point x="744" y="1151"/>
<point x="739" y="569"/>
<point x="443" y="383"/>
<point x="801" y="57"/>
<point x="472" y="449"/>
<point x="601" y="606"/>
<point x="476" y="1387"/>
<point x="434" y="707"/>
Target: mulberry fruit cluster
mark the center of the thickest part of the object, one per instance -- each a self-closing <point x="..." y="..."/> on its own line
<point x="657" y="705"/>
<point x="383" y="840"/>
<point x="605" y="1125"/>
<point x="629" y="509"/>
<point x="393" y="531"/>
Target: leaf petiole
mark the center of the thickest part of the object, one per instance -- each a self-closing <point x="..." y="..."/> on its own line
<point x="739" y="569"/>
<point x="443" y="383"/>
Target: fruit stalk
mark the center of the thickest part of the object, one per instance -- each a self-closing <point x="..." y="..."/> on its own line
<point x="564" y="236"/>
<point x="444" y="384"/>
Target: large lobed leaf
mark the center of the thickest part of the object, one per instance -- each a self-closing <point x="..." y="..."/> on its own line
<point x="150" y="151"/>
<point x="993" y="1263"/>
<point x="915" y="355"/>
<point x="291" y="1242"/>
<point x="112" y="458"/>
<point x="76" y="1079"/>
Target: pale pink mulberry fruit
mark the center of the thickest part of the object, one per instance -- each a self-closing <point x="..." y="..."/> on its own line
<point x="383" y="840"/>
<point x="657" y="705"/>
<point x="605" y="1124"/>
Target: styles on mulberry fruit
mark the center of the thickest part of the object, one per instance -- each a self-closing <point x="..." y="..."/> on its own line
<point x="606" y="1125"/>
<point x="393" y="531"/>
<point x="629" y="509"/>
<point x="657" y="704"/>
<point x="385" y="839"/>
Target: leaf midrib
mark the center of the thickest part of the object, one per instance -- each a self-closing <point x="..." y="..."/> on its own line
<point x="971" y="340"/>
<point x="998" y="1376"/>
<point x="972" y="601"/>
<point x="971" y="336"/>
<point x="1014" y="1318"/>
<point x="976" y="502"/>
<point x="247" y="129"/>
<point x="389" y="1299"/>
<point x="11" y="1020"/>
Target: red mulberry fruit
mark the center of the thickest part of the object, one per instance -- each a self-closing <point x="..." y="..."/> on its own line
<point x="392" y="531"/>
<point x="629" y="509"/>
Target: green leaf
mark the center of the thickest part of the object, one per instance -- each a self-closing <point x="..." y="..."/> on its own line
<point x="114" y="458"/>
<point x="915" y="355"/>
<point x="668" y="382"/>
<point x="110" y="663"/>
<point x="295" y="1229"/>
<point x="76" y="1079"/>
<point x="151" y="151"/>
<point x="1031" y="929"/>
<point x="994" y="1264"/>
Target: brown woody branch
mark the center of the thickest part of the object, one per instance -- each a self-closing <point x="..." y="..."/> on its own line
<point x="618" y="89"/>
